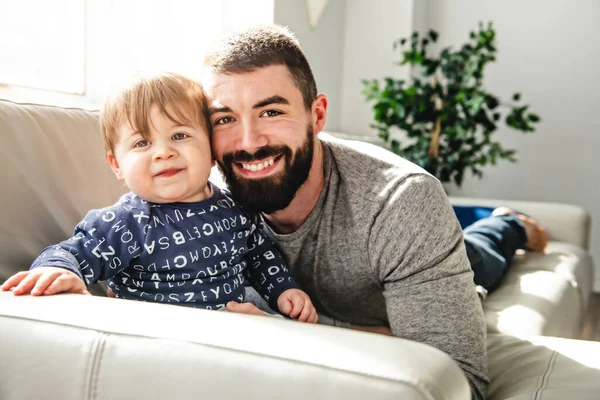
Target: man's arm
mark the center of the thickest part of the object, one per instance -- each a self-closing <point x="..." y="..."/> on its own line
<point x="417" y="251"/>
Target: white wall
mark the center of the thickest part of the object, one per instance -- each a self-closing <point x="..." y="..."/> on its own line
<point x="549" y="50"/>
<point x="323" y="47"/>
<point x="370" y="30"/>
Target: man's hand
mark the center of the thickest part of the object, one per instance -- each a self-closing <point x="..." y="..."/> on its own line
<point x="382" y="330"/>
<point x="296" y="304"/>
<point x="44" y="281"/>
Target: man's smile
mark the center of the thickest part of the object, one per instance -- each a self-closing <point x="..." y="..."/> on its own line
<point x="258" y="169"/>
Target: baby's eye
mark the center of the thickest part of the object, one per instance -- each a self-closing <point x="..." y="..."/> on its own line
<point x="223" y="121"/>
<point x="180" y="136"/>
<point x="271" y="113"/>
<point x="141" y="143"/>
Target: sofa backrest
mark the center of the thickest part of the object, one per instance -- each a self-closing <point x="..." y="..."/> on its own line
<point x="53" y="171"/>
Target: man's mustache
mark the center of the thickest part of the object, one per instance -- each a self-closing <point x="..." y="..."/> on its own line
<point x="260" y="154"/>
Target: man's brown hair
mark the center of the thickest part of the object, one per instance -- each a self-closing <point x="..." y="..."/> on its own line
<point x="132" y="106"/>
<point x="262" y="46"/>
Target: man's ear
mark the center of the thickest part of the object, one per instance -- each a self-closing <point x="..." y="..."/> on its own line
<point x="319" y="113"/>
<point x="114" y="165"/>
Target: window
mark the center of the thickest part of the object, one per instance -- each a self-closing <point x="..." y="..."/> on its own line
<point x="43" y="44"/>
<point x="73" y="52"/>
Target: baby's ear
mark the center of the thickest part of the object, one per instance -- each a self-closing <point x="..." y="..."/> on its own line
<point x="114" y="165"/>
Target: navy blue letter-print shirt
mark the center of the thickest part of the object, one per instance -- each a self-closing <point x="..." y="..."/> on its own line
<point x="194" y="254"/>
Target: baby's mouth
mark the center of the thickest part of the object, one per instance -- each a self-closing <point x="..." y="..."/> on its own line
<point x="166" y="173"/>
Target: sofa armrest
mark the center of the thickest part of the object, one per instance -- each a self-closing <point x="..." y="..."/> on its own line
<point x="76" y="346"/>
<point x="563" y="222"/>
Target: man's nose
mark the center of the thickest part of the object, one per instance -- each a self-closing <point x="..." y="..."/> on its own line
<point x="163" y="150"/>
<point x="251" y="137"/>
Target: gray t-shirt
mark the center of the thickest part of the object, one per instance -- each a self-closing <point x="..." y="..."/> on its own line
<point x="383" y="247"/>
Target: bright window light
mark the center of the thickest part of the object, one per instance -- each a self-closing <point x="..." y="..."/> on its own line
<point x="73" y="52"/>
<point x="43" y="44"/>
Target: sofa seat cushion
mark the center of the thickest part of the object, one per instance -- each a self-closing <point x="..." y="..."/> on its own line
<point x="570" y="261"/>
<point x="542" y="368"/>
<point x="543" y="294"/>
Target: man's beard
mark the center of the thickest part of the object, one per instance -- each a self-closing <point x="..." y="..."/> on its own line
<point x="271" y="193"/>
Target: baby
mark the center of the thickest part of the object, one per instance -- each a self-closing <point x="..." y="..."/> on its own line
<point x="175" y="238"/>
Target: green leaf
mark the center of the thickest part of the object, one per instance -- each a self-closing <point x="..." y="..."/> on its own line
<point x="385" y="135"/>
<point x="458" y="178"/>
<point x="533" y="118"/>
<point x="401" y="111"/>
<point x="491" y="101"/>
<point x="507" y="153"/>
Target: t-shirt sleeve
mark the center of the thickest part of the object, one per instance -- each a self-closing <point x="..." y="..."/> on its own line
<point x="417" y="251"/>
<point x="267" y="271"/>
<point x="103" y="244"/>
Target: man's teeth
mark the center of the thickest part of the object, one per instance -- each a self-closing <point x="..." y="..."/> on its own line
<point x="258" y="166"/>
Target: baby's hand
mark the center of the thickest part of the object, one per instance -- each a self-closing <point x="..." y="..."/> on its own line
<point x="44" y="281"/>
<point x="296" y="304"/>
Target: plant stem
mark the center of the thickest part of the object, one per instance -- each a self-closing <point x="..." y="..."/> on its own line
<point x="434" y="145"/>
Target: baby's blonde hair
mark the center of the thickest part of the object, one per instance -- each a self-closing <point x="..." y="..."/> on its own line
<point x="132" y="105"/>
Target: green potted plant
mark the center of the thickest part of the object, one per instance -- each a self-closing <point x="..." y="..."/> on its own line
<point x="444" y="110"/>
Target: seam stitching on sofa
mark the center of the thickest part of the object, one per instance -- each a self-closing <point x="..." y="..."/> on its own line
<point x="89" y="367"/>
<point x="90" y="371"/>
<point x="95" y="373"/>
<point x="546" y="376"/>
<point x="86" y="374"/>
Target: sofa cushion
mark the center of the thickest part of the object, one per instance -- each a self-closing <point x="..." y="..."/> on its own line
<point x="545" y="368"/>
<point x="53" y="172"/>
<point x="569" y="261"/>
<point x="543" y="294"/>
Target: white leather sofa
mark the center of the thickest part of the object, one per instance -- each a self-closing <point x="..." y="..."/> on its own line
<point x="91" y="347"/>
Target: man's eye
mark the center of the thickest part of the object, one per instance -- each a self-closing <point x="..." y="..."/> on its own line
<point x="223" y="121"/>
<point x="141" y="143"/>
<point x="179" y="136"/>
<point x="271" y="113"/>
